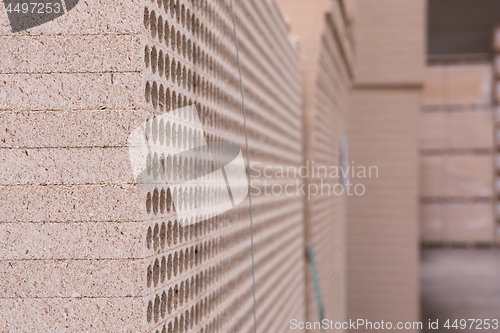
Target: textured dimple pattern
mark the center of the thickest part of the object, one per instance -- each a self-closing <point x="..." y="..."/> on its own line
<point x="199" y="277"/>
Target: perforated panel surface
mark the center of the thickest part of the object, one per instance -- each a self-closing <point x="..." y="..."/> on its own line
<point x="118" y="256"/>
<point x="190" y="59"/>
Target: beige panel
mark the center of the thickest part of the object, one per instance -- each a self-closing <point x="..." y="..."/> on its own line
<point x="464" y="176"/>
<point x="497" y="92"/>
<point x="65" y="166"/>
<point x="463" y="223"/>
<point x="45" y="129"/>
<point x="458" y="85"/>
<point x="56" y="53"/>
<point x="74" y="91"/>
<point x="383" y="231"/>
<point x="471" y="130"/>
<point x="432" y="130"/>
<point x="307" y="24"/>
<point x="497" y="186"/>
<point x="496" y="158"/>
<point x="496" y="115"/>
<point x="350" y="8"/>
<point x="434" y="92"/>
<point x="469" y="223"/>
<point x="496" y="101"/>
<point x="431" y="222"/>
<point x="469" y="84"/>
<point x="469" y="176"/>
<point x="326" y="82"/>
<point x="390" y="41"/>
<point x="431" y="180"/>
<point x="115" y="314"/>
<point x="496" y="65"/>
<point x="64" y="241"/>
<point x="497" y="208"/>
<point x="73" y="278"/>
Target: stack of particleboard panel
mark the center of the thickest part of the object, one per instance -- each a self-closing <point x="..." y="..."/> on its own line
<point x="456" y="142"/>
<point x="383" y="251"/>
<point x="323" y="32"/>
<point x="496" y="103"/>
<point x="81" y="250"/>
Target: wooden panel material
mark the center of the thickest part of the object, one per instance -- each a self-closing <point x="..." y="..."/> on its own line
<point x="432" y="130"/>
<point x="497" y="162"/>
<point x="431" y="223"/>
<point x="496" y="65"/>
<point x="431" y="170"/>
<point x="326" y="78"/>
<point x="457" y="223"/>
<point x="383" y="223"/>
<point x="456" y="130"/>
<point x="469" y="176"/>
<point x="471" y="130"/>
<point x="469" y="84"/>
<point x="383" y="231"/>
<point x="497" y="92"/>
<point x="390" y="41"/>
<point x="496" y="114"/>
<point x="497" y="187"/>
<point x="464" y="176"/>
<point x="458" y="85"/>
<point x="470" y="223"/>
<point x="434" y="92"/>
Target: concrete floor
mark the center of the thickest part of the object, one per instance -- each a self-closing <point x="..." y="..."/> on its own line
<point x="460" y="284"/>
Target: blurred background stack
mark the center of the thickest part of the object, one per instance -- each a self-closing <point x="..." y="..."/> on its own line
<point x="496" y="102"/>
<point x="325" y="31"/>
<point x="459" y="132"/>
<point x="459" y="164"/>
<point x="456" y="146"/>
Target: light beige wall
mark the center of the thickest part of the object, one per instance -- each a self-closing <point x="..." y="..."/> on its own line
<point x="382" y="224"/>
<point x="496" y="130"/>
<point x="390" y="41"/>
<point x="383" y="132"/>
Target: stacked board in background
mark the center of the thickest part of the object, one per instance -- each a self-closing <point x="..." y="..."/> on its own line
<point x="324" y="35"/>
<point x="456" y="144"/>
<point x="496" y="103"/>
<point x="382" y="223"/>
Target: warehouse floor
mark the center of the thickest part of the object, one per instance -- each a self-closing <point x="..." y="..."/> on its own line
<point x="460" y="284"/>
